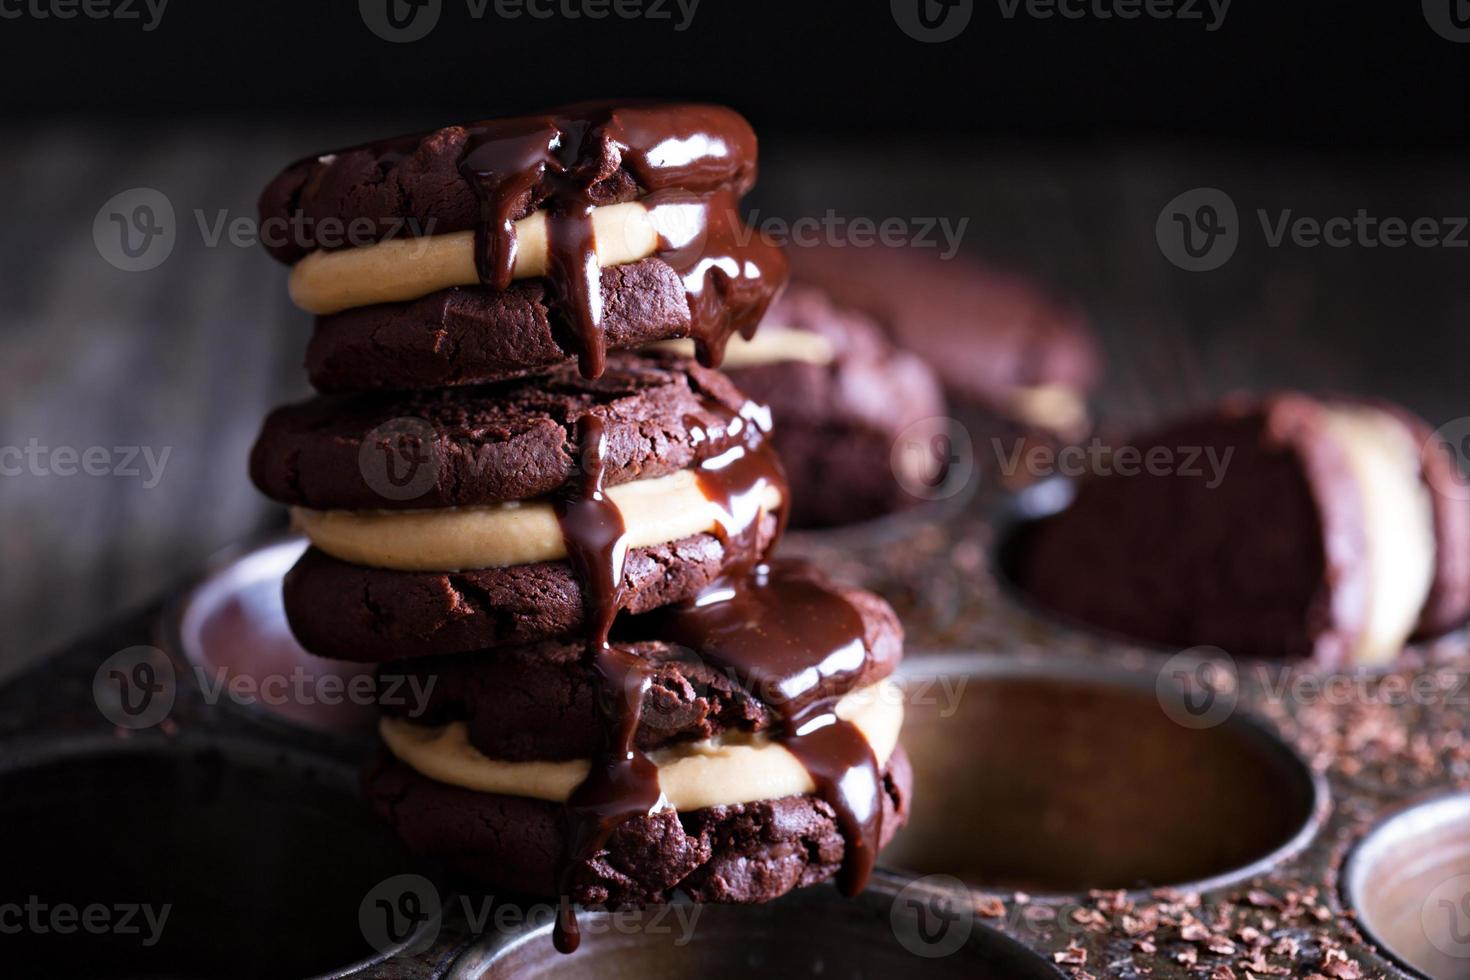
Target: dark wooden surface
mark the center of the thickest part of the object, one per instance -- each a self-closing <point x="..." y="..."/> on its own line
<point x="190" y="355"/>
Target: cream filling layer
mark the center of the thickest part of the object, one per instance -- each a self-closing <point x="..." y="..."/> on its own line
<point x="718" y="772"/>
<point x="407" y="268"/>
<point x="520" y="532"/>
<point x="1398" y="521"/>
<point x="772" y="344"/>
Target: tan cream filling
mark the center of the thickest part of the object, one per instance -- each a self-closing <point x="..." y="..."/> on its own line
<point x="1056" y="407"/>
<point x="1398" y="521"/>
<point x="524" y="532"/>
<point x="407" y="268"/>
<point x="719" y="772"/>
<point x="772" y="344"/>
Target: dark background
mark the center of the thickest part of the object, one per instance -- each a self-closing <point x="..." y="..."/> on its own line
<point x="1301" y="73"/>
<point x="1059" y="141"/>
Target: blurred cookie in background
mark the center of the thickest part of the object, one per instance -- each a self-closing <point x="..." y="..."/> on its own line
<point x="840" y="397"/>
<point x="1024" y="360"/>
<point x="1277" y="526"/>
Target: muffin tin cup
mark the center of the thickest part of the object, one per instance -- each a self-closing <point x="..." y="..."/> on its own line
<point x="230" y="632"/>
<point x="894" y="928"/>
<point x="1408" y="883"/>
<point x="1056" y="777"/>
<point x="189" y="857"/>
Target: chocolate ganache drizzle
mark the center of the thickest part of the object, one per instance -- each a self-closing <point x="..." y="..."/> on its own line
<point x="623" y="782"/>
<point x="794" y="642"/>
<point x="691" y="163"/>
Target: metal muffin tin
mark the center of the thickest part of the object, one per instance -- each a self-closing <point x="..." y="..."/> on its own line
<point x="1077" y="811"/>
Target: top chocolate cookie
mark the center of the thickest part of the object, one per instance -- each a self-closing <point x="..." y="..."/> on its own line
<point x="560" y="196"/>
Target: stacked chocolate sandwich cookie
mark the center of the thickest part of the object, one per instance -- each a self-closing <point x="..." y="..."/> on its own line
<point x="567" y="540"/>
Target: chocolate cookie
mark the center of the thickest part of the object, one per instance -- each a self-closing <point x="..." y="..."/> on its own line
<point x="539" y="701"/>
<point x="469" y="335"/>
<point x="353" y="612"/>
<point x="749" y="852"/>
<point x="995" y="338"/>
<point x="426" y="183"/>
<point x="1306" y="528"/>
<point x="411" y="249"/>
<point x="462" y="447"/>
<point x="840" y="397"/>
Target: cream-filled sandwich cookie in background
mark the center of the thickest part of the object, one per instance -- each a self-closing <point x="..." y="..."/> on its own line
<point x="1020" y="360"/>
<point x="841" y="399"/>
<point x="1278" y="526"/>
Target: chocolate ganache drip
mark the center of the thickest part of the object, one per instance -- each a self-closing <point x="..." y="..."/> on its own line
<point x="792" y="641"/>
<point x="796" y="644"/>
<point x="773" y="625"/>
<point x="623" y="782"/>
<point x="691" y="163"/>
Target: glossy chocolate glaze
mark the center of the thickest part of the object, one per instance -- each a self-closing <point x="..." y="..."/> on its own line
<point x="622" y="782"/>
<point x="774" y="626"/>
<point x="797" y="645"/>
